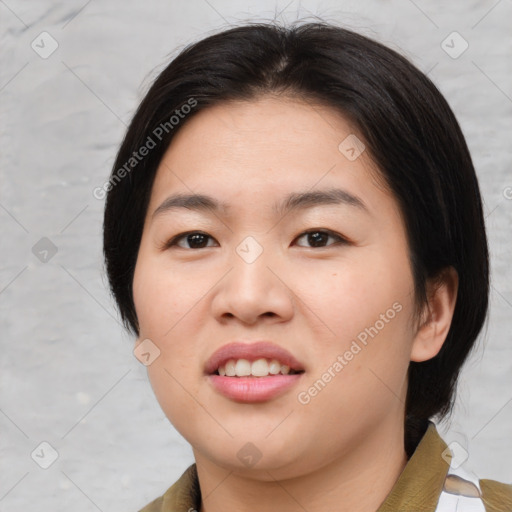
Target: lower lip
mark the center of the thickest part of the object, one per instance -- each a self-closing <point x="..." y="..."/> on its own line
<point x="253" y="389"/>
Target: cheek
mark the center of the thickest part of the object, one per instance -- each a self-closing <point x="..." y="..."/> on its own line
<point x="165" y="306"/>
<point x="350" y="297"/>
<point x="163" y="298"/>
<point x="163" y="302"/>
<point x="363" y="310"/>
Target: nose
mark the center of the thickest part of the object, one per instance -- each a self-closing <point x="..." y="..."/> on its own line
<point x="253" y="292"/>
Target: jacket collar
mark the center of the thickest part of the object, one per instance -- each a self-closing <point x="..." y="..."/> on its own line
<point x="422" y="480"/>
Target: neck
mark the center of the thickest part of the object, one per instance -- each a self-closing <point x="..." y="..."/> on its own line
<point x="359" y="481"/>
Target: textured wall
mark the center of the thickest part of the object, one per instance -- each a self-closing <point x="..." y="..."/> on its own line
<point x="67" y="373"/>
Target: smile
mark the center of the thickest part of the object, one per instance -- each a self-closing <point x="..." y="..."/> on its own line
<point x="259" y="368"/>
<point x="253" y="372"/>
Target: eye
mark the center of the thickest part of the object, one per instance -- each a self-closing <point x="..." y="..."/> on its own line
<point x="320" y="237"/>
<point x="200" y="240"/>
<point x="194" y="239"/>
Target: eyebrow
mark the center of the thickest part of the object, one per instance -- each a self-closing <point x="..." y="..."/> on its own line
<point x="293" y="202"/>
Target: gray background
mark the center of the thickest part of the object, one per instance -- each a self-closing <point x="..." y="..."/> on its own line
<point x="68" y="375"/>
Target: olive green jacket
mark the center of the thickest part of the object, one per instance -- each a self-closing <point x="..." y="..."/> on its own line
<point x="430" y="482"/>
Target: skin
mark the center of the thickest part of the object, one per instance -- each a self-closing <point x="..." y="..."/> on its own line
<point x="344" y="450"/>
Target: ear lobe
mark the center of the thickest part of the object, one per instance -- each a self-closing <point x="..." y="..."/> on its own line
<point x="438" y="314"/>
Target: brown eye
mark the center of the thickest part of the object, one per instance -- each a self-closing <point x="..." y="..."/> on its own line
<point x="192" y="240"/>
<point x="319" y="238"/>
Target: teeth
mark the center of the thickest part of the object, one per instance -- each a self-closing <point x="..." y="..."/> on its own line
<point x="259" y="368"/>
<point x="274" y="367"/>
<point x="230" y="368"/>
<point x="242" y="368"/>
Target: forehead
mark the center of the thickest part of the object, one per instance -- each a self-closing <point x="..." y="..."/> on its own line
<point x="266" y="147"/>
<point x="265" y="124"/>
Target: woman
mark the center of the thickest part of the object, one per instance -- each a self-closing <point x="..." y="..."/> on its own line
<point x="294" y="233"/>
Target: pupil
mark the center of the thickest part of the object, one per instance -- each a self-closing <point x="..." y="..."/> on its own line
<point x="197" y="240"/>
<point x="317" y="239"/>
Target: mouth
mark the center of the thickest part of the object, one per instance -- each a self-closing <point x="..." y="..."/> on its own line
<point x="257" y="359"/>
<point x="255" y="372"/>
<point x="259" y="368"/>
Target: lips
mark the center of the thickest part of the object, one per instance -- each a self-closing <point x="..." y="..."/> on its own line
<point x="251" y="352"/>
<point x="253" y="389"/>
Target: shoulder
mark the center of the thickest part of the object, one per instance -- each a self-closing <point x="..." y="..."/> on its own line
<point x="496" y="495"/>
<point x="154" y="506"/>
<point x="463" y="491"/>
<point x="182" y="496"/>
<point x="434" y="480"/>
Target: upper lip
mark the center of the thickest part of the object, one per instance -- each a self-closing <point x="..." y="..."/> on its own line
<point x="251" y="352"/>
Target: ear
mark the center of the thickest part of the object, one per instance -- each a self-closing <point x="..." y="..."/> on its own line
<point x="437" y="315"/>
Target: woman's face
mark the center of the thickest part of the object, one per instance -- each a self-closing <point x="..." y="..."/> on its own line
<point x="339" y="300"/>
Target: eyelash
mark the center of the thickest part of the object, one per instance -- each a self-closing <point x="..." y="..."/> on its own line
<point x="174" y="240"/>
